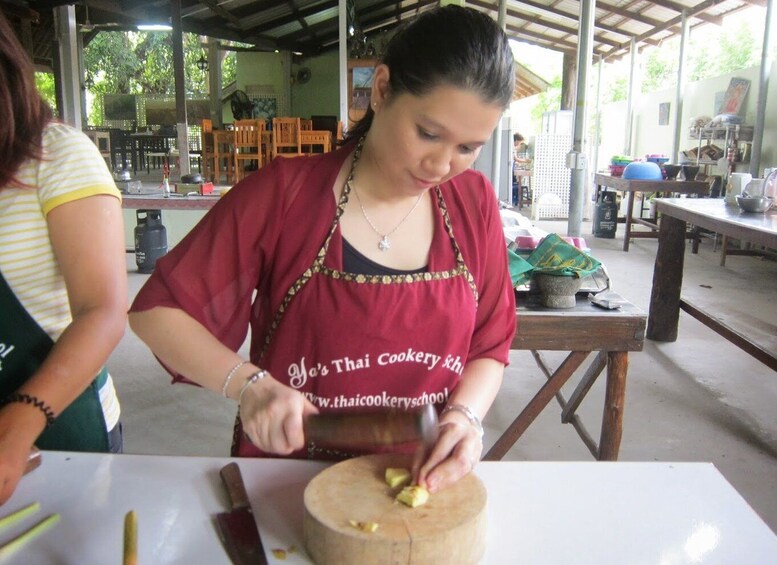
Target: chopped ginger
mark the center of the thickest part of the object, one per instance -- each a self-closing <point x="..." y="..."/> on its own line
<point x="413" y="496"/>
<point x="397" y="477"/>
<point x="368" y="527"/>
<point x="279" y="553"/>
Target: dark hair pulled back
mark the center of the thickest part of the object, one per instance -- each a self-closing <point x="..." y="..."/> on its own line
<point x="455" y="46"/>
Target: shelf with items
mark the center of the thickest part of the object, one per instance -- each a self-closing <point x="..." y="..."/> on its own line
<point x="736" y="148"/>
<point x="740" y="132"/>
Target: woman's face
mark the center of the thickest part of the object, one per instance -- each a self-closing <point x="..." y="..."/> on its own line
<point x="418" y="142"/>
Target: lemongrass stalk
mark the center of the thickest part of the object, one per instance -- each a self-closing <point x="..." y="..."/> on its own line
<point x="19" y="515"/>
<point x="131" y="538"/>
<point x="16" y="543"/>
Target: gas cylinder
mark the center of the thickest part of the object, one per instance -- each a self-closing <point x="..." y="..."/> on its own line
<point x="605" y="215"/>
<point x="150" y="239"/>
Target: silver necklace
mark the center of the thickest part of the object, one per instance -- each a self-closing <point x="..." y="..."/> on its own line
<point x="383" y="244"/>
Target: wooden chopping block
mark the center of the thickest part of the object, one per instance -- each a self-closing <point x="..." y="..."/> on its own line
<point x="449" y="528"/>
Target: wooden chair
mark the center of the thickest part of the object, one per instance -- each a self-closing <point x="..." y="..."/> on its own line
<point x="316" y="141"/>
<point x="207" y="149"/>
<point x="102" y="139"/>
<point x="305" y="125"/>
<point x="156" y="152"/>
<point x="248" y="145"/>
<point x="223" y="154"/>
<point x="285" y="136"/>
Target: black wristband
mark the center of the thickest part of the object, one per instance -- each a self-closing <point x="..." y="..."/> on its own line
<point x="32" y="401"/>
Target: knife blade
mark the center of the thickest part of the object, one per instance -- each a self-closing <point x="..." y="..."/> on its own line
<point x="237" y="528"/>
<point x="373" y="428"/>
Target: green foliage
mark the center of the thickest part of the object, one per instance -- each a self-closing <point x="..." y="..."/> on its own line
<point x="547" y="101"/>
<point x="738" y="50"/>
<point x="142" y="63"/>
<point x="660" y="69"/>
<point x="44" y="82"/>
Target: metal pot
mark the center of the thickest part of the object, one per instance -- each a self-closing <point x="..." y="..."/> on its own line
<point x="757" y="204"/>
<point x="122" y="175"/>
<point x="194" y="178"/>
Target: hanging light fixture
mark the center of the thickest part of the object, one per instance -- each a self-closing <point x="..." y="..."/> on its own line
<point x="202" y="63"/>
<point x="88" y="81"/>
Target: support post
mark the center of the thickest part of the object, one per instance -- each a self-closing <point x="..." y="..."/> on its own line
<point x="678" y="98"/>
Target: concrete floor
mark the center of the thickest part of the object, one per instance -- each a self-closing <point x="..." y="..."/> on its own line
<point x="698" y="399"/>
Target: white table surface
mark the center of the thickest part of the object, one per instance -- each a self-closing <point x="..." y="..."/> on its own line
<point x="538" y="512"/>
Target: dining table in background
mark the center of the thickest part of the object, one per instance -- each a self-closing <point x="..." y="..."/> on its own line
<point x="144" y="143"/>
<point x="665" y="298"/>
<point x="580" y="331"/>
<point x="537" y="512"/>
<point x="632" y="186"/>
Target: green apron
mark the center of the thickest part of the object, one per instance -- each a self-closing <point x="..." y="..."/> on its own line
<point x="23" y="348"/>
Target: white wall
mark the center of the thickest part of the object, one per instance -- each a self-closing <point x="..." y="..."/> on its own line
<point x="699" y="100"/>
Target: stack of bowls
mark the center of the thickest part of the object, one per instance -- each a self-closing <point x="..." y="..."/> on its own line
<point x="618" y="163"/>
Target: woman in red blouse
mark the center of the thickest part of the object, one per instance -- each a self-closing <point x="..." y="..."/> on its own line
<point x="371" y="277"/>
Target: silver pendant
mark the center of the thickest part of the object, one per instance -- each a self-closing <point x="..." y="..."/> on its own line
<point x="384" y="244"/>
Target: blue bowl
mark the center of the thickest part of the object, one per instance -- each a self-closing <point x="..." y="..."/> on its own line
<point x="642" y="170"/>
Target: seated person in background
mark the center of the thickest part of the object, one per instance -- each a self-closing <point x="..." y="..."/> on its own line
<point x="379" y="270"/>
<point x="63" y="279"/>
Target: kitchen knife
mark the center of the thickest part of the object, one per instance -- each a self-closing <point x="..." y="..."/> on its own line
<point x="237" y="529"/>
<point x="374" y="428"/>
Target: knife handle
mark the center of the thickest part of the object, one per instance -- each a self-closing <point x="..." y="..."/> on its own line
<point x="236" y="489"/>
<point x="33" y="460"/>
<point x="370" y="429"/>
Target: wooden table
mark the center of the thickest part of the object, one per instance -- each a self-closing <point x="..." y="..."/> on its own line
<point x="630" y="186"/>
<point x="665" y="300"/>
<point x="142" y="141"/>
<point x="194" y="202"/>
<point x="581" y="331"/>
<point x="538" y="512"/>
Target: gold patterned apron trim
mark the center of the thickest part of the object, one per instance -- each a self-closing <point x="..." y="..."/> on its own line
<point x="318" y="265"/>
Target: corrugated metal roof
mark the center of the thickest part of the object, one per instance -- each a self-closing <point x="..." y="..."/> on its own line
<point x="311" y="26"/>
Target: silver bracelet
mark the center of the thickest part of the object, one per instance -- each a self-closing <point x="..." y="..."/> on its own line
<point x="231" y="374"/>
<point x="255" y="378"/>
<point x="473" y="419"/>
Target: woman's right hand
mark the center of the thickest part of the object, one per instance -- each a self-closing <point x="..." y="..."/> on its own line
<point x="272" y="415"/>
<point x="19" y="427"/>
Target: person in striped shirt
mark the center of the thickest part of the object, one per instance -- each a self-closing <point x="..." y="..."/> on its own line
<point x="63" y="278"/>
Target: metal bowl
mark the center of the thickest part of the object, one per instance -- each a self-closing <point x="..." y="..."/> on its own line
<point x="754" y="203"/>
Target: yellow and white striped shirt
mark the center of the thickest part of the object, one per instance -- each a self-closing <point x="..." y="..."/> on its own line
<point x="71" y="168"/>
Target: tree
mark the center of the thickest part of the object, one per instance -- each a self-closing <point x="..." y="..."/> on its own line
<point x="44" y="82"/>
<point x="142" y="63"/>
<point x="547" y="101"/>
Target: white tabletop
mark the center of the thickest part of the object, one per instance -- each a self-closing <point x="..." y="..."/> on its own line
<point x="555" y="512"/>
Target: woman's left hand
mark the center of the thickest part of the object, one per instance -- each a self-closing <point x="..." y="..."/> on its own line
<point x="454" y="454"/>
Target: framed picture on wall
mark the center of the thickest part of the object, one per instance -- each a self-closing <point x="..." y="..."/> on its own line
<point x="362" y="85"/>
<point x="733" y="100"/>
<point x="663" y="114"/>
